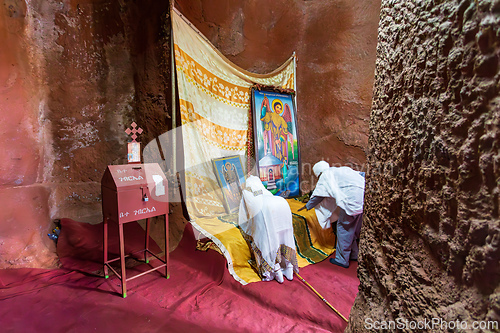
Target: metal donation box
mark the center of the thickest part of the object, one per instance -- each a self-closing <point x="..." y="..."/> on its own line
<point x="130" y="193"/>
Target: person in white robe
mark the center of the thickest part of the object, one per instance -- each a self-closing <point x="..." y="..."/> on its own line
<point x="339" y="191"/>
<point x="266" y="223"/>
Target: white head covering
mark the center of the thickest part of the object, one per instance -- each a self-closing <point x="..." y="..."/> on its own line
<point x="319" y="167"/>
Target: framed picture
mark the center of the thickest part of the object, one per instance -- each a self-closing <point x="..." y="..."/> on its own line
<point x="230" y="176"/>
<point x="134" y="152"/>
<point x="276" y="141"/>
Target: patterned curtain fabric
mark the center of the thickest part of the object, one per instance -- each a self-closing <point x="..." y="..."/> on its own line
<point x="214" y="98"/>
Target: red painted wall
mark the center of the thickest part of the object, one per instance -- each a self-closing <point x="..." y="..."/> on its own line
<point x="73" y="75"/>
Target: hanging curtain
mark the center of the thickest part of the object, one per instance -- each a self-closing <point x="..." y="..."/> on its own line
<point x="214" y="98"/>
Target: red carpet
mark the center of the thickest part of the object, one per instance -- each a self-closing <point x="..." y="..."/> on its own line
<point x="200" y="295"/>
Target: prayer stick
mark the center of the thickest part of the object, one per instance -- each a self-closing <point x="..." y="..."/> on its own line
<point x="324" y="300"/>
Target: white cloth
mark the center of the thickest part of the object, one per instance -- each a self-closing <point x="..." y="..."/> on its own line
<point x="343" y="187"/>
<point x="267" y="219"/>
<point x="319" y="167"/>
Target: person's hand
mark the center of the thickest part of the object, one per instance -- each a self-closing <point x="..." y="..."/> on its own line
<point x="305" y="207"/>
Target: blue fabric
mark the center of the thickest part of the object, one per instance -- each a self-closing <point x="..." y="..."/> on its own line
<point x="348" y="230"/>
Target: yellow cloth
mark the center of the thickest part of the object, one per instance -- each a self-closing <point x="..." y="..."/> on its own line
<point x="314" y="243"/>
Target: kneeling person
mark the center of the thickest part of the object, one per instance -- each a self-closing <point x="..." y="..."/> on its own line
<point x="266" y="223"/>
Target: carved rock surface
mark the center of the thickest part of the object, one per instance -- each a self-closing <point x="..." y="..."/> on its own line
<point x="430" y="243"/>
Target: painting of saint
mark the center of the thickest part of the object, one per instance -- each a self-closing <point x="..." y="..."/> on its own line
<point x="233" y="189"/>
<point x="230" y="177"/>
<point x="277" y="125"/>
<point x="276" y="145"/>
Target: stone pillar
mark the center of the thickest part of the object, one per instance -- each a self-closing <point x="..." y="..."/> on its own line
<point x="430" y="242"/>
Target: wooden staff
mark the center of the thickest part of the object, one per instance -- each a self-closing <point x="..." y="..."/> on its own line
<point x="319" y="295"/>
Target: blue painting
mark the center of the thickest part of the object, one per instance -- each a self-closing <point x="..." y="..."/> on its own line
<point x="230" y="176"/>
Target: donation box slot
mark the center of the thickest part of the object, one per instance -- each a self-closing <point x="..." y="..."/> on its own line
<point x="133" y="192"/>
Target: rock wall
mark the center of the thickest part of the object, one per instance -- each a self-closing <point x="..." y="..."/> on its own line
<point x="73" y="76"/>
<point x="335" y="42"/>
<point x="430" y="243"/>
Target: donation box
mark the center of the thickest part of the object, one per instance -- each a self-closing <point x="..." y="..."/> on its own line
<point x="130" y="193"/>
<point x="133" y="192"/>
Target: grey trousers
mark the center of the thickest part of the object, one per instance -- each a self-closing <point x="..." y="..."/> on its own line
<point x="348" y="230"/>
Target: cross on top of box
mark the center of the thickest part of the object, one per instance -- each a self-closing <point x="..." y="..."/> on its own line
<point x="133" y="131"/>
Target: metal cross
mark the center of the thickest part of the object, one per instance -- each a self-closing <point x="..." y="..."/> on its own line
<point x="133" y="131"/>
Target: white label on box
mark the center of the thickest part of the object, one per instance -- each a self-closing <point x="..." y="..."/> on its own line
<point x="160" y="188"/>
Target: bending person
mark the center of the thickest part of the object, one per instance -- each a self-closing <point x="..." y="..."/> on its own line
<point x="266" y="223"/>
<point x="344" y="188"/>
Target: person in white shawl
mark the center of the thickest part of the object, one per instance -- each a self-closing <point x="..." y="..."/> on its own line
<point x="344" y="188"/>
<point x="266" y="223"/>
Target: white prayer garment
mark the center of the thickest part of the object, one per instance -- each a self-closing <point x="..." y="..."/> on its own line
<point x="266" y="223"/>
<point x="343" y="187"/>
